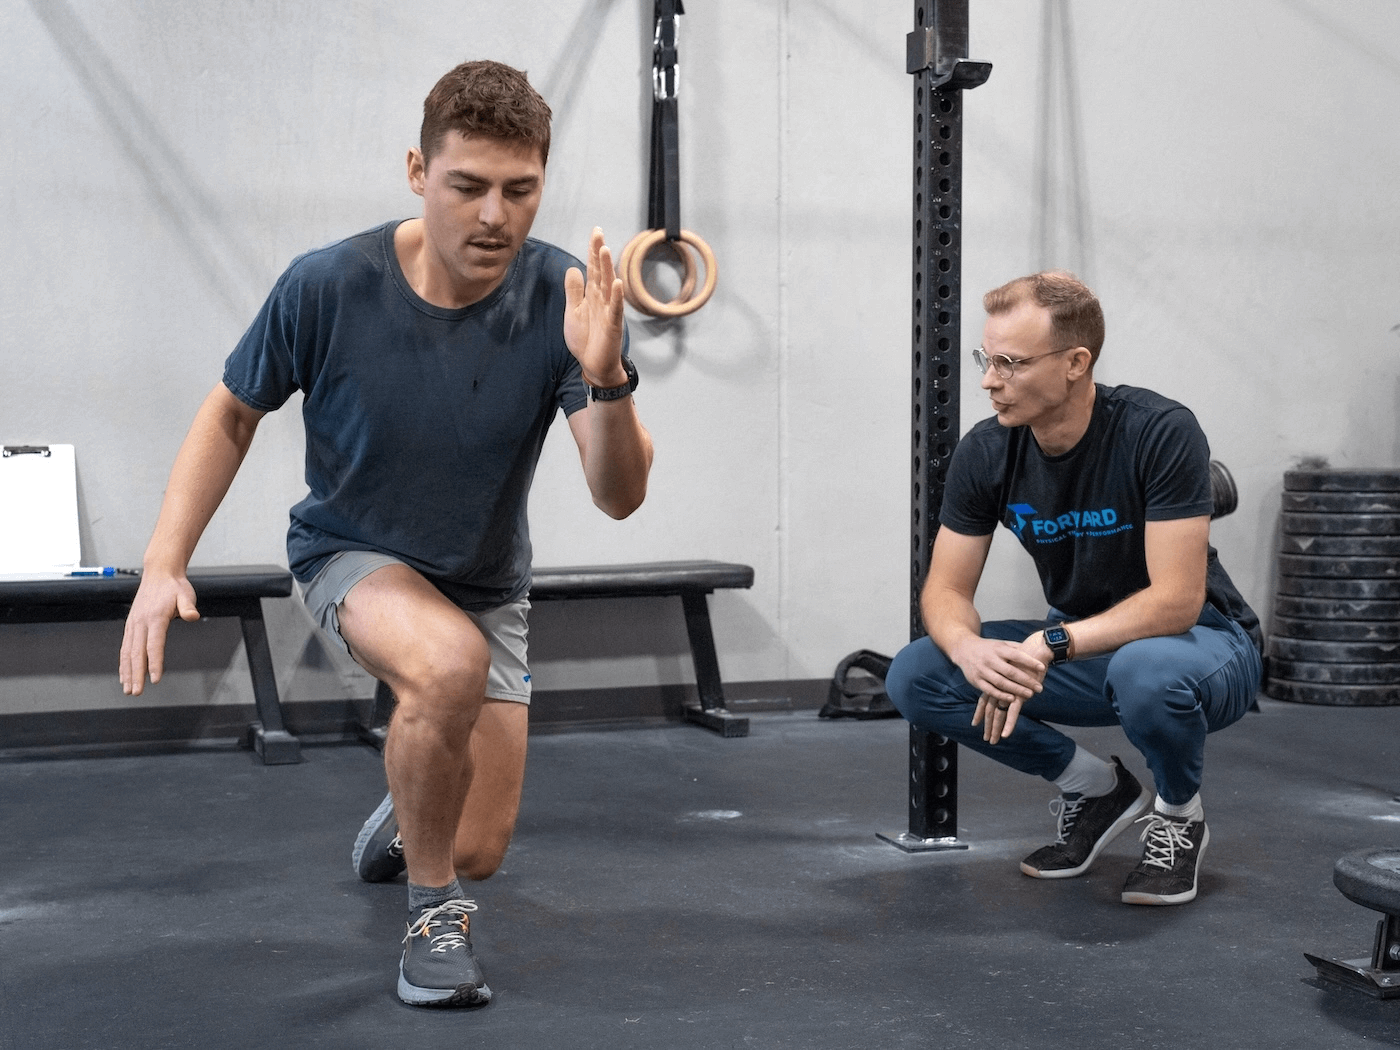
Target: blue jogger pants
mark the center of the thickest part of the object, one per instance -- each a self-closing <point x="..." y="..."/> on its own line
<point x="1167" y="693"/>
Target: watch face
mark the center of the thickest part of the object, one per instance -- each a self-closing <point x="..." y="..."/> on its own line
<point x="1056" y="635"/>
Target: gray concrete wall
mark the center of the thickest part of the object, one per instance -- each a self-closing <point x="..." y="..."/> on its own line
<point x="165" y="161"/>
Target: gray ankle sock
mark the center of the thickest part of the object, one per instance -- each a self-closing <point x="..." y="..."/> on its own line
<point x="432" y="896"/>
<point x="1087" y="774"/>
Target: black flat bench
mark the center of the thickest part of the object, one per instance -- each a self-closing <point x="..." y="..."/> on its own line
<point x="691" y="581"/>
<point x="232" y="590"/>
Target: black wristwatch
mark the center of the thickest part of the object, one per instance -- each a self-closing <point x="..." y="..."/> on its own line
<point x="1057" y="638"/>
<point x="614" y="393"/>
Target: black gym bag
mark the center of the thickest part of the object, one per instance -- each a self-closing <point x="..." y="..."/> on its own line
<point x="858" y="688"/>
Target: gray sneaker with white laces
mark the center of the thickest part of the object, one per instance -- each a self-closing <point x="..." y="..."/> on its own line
<point x="1171" y="861"/>
<point x="438" y="967"/>
<point x="378" y="853"/>
<point x="1084" y="826"/>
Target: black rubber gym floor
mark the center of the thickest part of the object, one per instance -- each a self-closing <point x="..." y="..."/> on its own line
<point x="669" y="889"/>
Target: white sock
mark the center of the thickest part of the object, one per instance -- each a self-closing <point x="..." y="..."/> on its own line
<point x="1192" y="810"/>
<point x="1087" y="774"/>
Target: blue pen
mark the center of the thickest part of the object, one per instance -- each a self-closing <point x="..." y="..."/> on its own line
<point x="104" y="570"/>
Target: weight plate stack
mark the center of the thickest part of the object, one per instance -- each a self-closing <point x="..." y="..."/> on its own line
<point x="1336" y="629"/>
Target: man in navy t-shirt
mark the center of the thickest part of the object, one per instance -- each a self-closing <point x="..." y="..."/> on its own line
<point x="432" y="355"/>
<point x="1108" y="490"/>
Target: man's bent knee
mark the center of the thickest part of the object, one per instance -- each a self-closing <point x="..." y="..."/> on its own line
<point x="920" y="681"/>
<point x="480" y="863"/>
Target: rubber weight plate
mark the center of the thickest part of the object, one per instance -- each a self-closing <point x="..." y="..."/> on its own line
<point x="1335" y="609"/>
<point x="1336" y="674"/>
<point x="1379" y="630"/>
<point x="1370" y="878"/>
<point x="1341" y="480"/>
<point x="1342" y="524"/>
<point x="1333" y="652"/>
<point x="1342" y="502"/>
<point x="1316" y="587"/>
<point x="1336" y="695"/>
<point x="1345" y="568"/>
<point x="1341" y="546"/>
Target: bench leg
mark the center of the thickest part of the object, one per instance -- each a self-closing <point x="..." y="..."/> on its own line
<point x="269" y="736"/>
<point x="710" y="712"/>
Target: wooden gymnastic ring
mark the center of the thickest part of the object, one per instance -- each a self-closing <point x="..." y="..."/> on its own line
<point x="683" y="256"/>
<point x="636" y="251"/>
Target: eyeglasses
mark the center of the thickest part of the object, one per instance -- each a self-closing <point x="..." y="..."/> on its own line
<point x="1006" y="366"/>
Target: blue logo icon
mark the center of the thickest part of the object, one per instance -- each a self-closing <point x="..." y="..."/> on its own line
<point x="1019" y="509"/>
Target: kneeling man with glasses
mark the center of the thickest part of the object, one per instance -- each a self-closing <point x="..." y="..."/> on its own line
<point x="1108" y="489"/>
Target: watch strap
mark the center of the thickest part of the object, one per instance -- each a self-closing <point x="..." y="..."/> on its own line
<point x="615" y="393"/>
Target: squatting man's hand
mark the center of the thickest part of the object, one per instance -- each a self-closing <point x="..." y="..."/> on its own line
<point x="593" y="316"/>
<point x="1008" y="674"/>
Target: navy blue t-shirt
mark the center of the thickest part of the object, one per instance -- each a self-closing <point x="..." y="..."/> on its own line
<point x="1081" y="514"/>
<point x="423" y="424"/>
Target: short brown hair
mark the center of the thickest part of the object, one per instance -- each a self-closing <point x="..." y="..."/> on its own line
<point x="1074" y="310"/>
<point x="484" y="98"/>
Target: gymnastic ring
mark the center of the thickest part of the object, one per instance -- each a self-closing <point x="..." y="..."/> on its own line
<point x="644" y="300"/>
<point x="683" y="256"/>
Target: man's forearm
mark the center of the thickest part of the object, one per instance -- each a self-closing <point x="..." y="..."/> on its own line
<point x="618" y="457"/>
<point x="1150" y="613"/>
<point x="205" y="466"/>
<point x="949" y="619"/>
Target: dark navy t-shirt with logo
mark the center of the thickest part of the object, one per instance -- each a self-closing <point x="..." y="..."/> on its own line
<point x="423" y="424"/>
<point x="1081" y="515"/>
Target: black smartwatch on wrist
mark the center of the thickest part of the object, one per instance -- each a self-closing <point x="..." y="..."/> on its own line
<point x="615" y="393"/>
<point x="1057" y="638"/>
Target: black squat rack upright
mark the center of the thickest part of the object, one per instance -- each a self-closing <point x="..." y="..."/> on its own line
<point x="937" y="58"/>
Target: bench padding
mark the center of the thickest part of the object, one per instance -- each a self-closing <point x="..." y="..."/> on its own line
<point x="653" y="579"/>
<point x="237" y="581"/>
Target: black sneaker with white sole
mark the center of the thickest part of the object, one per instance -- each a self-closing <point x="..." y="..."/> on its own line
<point x="438" y="967"/>
<point x="378" y="853"/>
<point x="1171" y="861"/>
<point x="1085" y="826"/>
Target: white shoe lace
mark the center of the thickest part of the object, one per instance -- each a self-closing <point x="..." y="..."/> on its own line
<point x="432" y="918"/>
<point x="1066" y="811"/>
<point x="1164" y="836"/>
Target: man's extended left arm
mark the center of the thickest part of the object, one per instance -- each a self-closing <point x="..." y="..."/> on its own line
<point x="1176" y="552"/>
<point x="615" y="448"/>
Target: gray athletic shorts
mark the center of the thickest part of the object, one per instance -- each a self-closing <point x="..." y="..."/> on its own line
<point x="505" y="627"/>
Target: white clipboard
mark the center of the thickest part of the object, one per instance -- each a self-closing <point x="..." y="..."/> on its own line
<point x="38" y="510"/>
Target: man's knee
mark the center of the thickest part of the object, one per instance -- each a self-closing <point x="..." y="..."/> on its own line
<point x="920" y="680"/>
<point x="404" y="632"/>
<point x="449" y="670"/>
<point x="481" y="860"/>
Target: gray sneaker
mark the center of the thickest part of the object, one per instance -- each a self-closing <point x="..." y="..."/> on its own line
<point x="438" y="967"/>
<point x="1171" y="861"/>
<point x="378" y="853"/>
<point x="1085" y="826"/>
